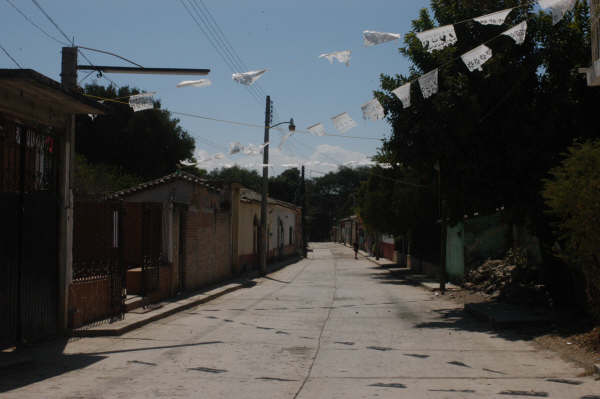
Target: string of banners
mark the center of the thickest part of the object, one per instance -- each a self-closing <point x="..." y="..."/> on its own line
<point x="432" y="40"/>
<point x="364" y="162"/>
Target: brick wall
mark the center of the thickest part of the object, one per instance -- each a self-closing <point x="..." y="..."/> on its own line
<point x="89" y="301"/>
<point x="207" y="235"/>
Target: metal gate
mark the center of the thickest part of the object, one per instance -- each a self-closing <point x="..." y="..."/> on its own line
<point x="28" y="233"/>
<point x="97" y="249"/>
<point x="142" y="242"/>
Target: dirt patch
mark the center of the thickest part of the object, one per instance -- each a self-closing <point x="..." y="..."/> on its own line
<point x="577" y="342"/>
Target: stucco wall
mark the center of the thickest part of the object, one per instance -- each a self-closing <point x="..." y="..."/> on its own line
<point x="287" y="217"/>
<point x="248" y="211"/>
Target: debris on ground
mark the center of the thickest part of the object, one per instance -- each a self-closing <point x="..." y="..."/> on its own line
<point x="511" y="280"/>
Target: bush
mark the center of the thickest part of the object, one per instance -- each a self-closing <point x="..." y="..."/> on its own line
<point x="573" y="195"/>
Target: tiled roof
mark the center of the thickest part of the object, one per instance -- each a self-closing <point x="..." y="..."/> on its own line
<point x="248" y="195"/>
<point x="178" y="175"/>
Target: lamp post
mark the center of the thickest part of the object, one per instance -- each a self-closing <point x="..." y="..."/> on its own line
<point x="265" y="185"/>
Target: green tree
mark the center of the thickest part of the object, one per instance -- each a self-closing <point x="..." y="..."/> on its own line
<point x="247" y="178"/>
<point x="96" y="180"/>
<point x="148" y="144"/>
<point x="331" y="197"/>
<point x="494" y="133"/>
<point x="571" y="194"/>
<point x="286" y="186"/>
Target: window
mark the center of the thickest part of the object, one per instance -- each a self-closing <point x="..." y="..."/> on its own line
<point x="291" y="235"/>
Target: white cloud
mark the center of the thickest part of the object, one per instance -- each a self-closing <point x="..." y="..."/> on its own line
<point x="325" y="158"/>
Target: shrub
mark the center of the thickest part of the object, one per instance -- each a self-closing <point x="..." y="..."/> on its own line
<point x="572" y="194"/>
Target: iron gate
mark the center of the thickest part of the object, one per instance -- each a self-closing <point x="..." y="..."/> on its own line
<point x="142" y="242"/>
<point x="97" y="249"/>
<point x="28" y="233"/>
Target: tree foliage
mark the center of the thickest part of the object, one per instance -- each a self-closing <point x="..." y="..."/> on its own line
<point x="572" y="194"/>
<point x="95" y="180"/>
<point x="148" y="143"/>
<point x="494" y="133"/>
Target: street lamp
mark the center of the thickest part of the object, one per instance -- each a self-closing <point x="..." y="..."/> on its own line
<point x="265" y="185"/>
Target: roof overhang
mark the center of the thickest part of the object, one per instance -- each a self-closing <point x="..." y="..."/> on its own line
<point x="28" y="94"/>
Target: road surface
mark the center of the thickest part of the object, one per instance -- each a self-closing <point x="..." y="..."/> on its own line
<point x="326" y="327"/>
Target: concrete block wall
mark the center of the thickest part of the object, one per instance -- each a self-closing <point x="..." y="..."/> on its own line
<point x="207" y="248"/>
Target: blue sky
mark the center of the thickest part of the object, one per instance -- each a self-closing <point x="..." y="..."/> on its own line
<point x="284" y="36"/>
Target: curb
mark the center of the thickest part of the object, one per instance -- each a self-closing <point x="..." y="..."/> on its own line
<point x="158" y="316"/>
<point x="241" y="283"/>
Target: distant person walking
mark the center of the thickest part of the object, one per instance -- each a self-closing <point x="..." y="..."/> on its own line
<point x="355" y="249"/>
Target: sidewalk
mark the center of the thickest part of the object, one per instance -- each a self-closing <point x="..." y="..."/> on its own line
<point x="139" y="317"/>
<point x="423" y="280"/>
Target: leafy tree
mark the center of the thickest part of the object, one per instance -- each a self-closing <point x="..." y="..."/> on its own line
<point x="571" y="194"/>
<point x="494" y="133"/>
<point x="247" y="178"/>
<point x="332" y="197"/>
<point x="286" y="186"/>
<point x="95" y="180"/>
<point x="148" y="144"/>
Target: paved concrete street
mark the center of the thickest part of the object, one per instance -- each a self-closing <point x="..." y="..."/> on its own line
<point x="326" y="327"/>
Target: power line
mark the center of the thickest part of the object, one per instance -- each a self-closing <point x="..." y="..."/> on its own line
<point x="51" y="21"/>
<point x="68" y="40"/>
<point x="10" y="56"/>
<point x="110" y="53"/>
<point x="214" y="45"/>
<point x="36" y="25"/>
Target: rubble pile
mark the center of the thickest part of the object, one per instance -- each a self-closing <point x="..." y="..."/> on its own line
<point x="510" y="280"/>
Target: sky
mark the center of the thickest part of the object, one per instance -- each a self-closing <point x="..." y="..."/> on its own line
<point x="284" y="36"/>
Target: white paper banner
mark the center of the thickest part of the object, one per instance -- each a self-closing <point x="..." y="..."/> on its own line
<point x="248" y="78"/>
<point x="429" y="83"/>
<point x="438" y="38"/>
<point x="343" y="122"/>
<point x="517" y="32"/>
<point x="317" y="129"/>
<point x="475" y="58"/>
<point x="559" y="8"/>
<point x="372" y="38"/>
<point x="195" y="83"/>
<point x="251" y="149"/>
<point x="496" y="18"/>
<point x="235" y="147"/>
<point x="342" y="56"/>
<point x="140" y="102"/>
<point x="403" y="94"/>
<point x="373" y="110"/>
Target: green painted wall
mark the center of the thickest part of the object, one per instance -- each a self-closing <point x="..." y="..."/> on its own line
<point x="455" y="257"/>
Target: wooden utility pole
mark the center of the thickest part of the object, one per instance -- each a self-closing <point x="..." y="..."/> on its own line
<point x="443" y="230"/>
<point x="67" y="153"/>
<point x="304" y="244"/>
<point x="264" y="243"/>
<point x="68" y="76"/>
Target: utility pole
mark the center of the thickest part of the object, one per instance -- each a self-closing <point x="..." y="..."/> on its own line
<point x="68" y="76"/>
<point x="264" y="244"/>
<point x="304" y="244"/>
<point x="443" y="230"/>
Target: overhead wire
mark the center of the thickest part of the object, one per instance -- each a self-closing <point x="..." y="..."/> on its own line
<point x="36" y="25"/>
<point x="71" y="42"/>
<point x="10" y="56"/>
